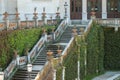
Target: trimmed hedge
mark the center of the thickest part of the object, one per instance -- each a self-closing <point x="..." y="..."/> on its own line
<point x="94" y="55"/>
<point x="70" y="63"/>
<point x="112" y="49"/>
<point x="95" y="49"/>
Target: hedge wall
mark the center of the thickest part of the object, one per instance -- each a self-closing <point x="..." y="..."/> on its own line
<point x="95" y="49"/>
<point x="112" y="49"/>
<point x="94" y="55"/>
<point x="70" y="63"/>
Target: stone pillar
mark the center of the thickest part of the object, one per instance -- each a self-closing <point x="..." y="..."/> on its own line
<point x="35" y="17"/>
<point x="44" y="34"/>
<point x="74" y="31"/>
<point x="1" y="75"/>
<point x="44" y="16"/>
<point x="27" y="24"/>
<point x="104" y="9"/>
<point x="54" y="74"/>
<point x="84" y="9"/>
<point x="59" y="53"/>
<point x="17" y="18"/>
<point x="5" y="18"/>
<point x="27" y="56"/>
<point x="16" y="56"/>
<point x="63" y="73"/>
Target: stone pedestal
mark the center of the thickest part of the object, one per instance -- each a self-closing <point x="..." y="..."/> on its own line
<point x="93" y="15"/>
<point x="17" y="18"/>
<point x="5" y="18"/>
<point x="58" y="17"/>
<point x="35" y="17"/>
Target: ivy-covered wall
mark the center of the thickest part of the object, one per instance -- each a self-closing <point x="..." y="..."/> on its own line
<point x="95" y="49"/>
<point x="70" y="62"/>
<point x="112" y="49"/>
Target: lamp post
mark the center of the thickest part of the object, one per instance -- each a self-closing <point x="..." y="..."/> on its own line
<point x="29" y="69"/>
<point x="65" y="6"/>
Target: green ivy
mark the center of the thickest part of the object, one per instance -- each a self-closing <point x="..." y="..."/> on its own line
<point x="112" y="49"/>
<point x="94" y="55"/>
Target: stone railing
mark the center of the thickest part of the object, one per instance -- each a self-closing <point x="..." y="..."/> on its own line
<point x="9" y="69"/>
<point x="42" y="74"/>
<point x="13" y="21"/>
<point x="87" y="29"/>
<point x="111" y="22"/>
<point x="60" y="29"/>
<point x="24" y="24"/>
<point x="22" y="61"/>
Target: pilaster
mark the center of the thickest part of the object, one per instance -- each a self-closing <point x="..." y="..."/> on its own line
<point x="84" y="9"/>
<point x="104" y="9"/>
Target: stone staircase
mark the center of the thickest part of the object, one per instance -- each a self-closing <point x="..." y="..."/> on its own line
<point x="41" y="59"/>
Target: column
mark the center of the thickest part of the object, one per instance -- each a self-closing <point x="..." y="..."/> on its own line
<point x="84" y="10"/>
<point x="104" y="9"/>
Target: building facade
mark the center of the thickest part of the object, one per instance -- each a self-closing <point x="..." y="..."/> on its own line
<point x="76" y="9"/>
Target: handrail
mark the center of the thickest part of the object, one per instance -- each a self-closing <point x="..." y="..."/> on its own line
<point x="88" y="28"/>
<point x="68" y="45"/>
<point x="60" y="29"/>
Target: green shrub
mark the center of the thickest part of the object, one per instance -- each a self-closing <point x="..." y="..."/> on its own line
<point x="112" y="49"/>
<point x="19" y="40"/>
<point x="95" y="50"/>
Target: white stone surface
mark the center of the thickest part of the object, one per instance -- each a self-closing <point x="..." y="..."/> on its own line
<point x="104" y="9"/>
<point x="26" y="7"/>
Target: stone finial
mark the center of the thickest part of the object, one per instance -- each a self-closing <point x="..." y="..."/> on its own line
<point x="35" y="13"/>
<point x="49" y="55"/>
<point x="74" y="30"/>
<point x="58" y="9"/>
<point x="44" y="12"/>
<point x="5" y="15"/>
<point x="43" y="9"/>
<point x="93" y="14"/>
<point x="35" y="9"/>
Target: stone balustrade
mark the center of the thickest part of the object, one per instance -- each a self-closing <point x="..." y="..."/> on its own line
<point x="13" y="21"/>
<point x="21" y="61"/>
<point x="60" y="29"/>
<point x="109" y="22"/>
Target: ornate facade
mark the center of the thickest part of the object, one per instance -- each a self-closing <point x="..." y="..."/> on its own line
<point x="76" y="9"/>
